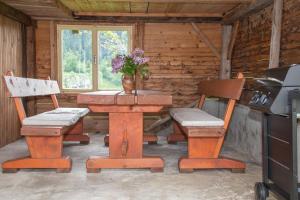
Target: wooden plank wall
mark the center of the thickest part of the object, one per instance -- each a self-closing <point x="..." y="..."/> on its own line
<point x="10" y="59"/>
<point x="179" y="60"/>
<point x="252" y="49"/>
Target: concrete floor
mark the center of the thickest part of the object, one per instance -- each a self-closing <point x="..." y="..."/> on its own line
<point x="124" y="184"/>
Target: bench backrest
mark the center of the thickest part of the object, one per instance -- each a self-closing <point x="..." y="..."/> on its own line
<point x="19" y="87"/>
<point x="25" y="87"/>
<point x="229" y="89"/>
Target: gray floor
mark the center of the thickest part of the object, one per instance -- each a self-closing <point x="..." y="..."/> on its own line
<point x="124" y="184"/>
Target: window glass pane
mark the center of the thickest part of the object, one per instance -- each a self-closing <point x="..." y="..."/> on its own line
<point x="77" y="59"/>
<point x="110" y="44"/>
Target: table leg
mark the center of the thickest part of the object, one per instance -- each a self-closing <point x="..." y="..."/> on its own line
<point x="126" y="145"/>
<point x="149" y="138"/>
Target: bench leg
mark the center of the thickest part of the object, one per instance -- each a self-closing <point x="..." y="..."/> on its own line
<point x="186" y="164"/>
<point x="177" y="135"/>
<point x="76" y="134"/>
<point x="63" y="164"/>
<point x="203" y="153"/>
<point x="45" y="153"/>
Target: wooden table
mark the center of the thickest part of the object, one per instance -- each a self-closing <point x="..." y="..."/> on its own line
<point x="125" y="127"/>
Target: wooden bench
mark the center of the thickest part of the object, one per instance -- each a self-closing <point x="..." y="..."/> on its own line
<point x="44" y="132"/>
<point x="205" y="133"/>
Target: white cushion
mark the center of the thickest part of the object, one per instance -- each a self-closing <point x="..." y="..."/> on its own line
<point x="298" y="115"/>
<point x="81" y="111"/>
<point x="195" y="117"/>
<point x="45" y="119"/>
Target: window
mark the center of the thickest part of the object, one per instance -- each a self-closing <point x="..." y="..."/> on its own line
<point x="85" y="54"/>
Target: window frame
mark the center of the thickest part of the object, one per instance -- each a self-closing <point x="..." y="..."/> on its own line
<point x="95" y="51"/>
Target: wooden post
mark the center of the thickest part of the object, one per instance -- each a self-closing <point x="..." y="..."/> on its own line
<point x="30" y="58"/>
<point x="233" y="38"/>
<point x="52" y="49"/>
<point x="276" y="34"/>
<point x="139" y="43"/>
<point x="225" y="68"/>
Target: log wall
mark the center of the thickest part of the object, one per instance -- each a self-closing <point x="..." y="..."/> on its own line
<point x="252" y="49"/>
<point x="10" y="59"/>
<point x="179" y="59"/>
<point x="290" y="42"/>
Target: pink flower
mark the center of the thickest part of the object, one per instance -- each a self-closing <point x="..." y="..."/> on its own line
<point x="117" y="63"/>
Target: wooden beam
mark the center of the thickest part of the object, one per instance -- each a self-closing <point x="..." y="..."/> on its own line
<point x="64" y="8"/>
<point x="114" y="14"/>
<point x="225" y="68"/>
<point x="206" y="40"/>
<point x="14" y="14"/>
<point x="276" y="34"/>
<point x="148" y="19"/>
<point x="244" y="11"/>
<point x="233" y="38"/>
<point x="30" y="53"/>
<point x="52" y="49"/>
<point x="139" y="43"/>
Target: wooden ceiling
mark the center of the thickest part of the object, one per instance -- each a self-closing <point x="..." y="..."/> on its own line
<point x="41" y="8"/>
<point x="134" y="10"/>
<point x="158" y="8"/>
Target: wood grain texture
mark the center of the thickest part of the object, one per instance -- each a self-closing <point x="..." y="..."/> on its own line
<point x="251" y="53"/>
<point x="152" y="7"/>
<point x="126" y="138"/>
<point x="178" y="60"/>
<point x="25" y="87"/>
<point x="230" y="89"/>
<point x="143" y="97"/>
<point x="10" y="59"/>
<point x="225" y="68"/>
<point x="41" y="8"/>
<point x="15" y="14"/>
<point x="276" y="34"/>
<point x="243" y="11"/>
<point x="252" y="49"/>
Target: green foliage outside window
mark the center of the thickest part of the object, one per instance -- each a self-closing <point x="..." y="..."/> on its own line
<point x="77" y="58"/>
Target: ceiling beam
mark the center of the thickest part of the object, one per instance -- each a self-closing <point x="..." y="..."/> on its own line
<point x="241" y="13"/>
<point x="63" y="8"/>
<point x="124" y="19"/>
<point x="114" y="14"/>
<point x="14" y="14"/>
<point x="182" y="1"/>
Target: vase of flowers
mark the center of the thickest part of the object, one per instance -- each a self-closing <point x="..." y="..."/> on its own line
<point x="130" y="66"/>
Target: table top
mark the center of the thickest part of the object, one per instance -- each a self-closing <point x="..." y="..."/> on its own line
<point x="143" y="97"/>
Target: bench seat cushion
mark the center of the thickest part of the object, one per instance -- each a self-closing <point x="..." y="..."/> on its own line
<point x="195" y="117"/>
<point x="46" y="119"/>
<point x="80" y="111"/>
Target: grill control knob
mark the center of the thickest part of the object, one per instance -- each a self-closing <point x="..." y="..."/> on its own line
<point x="256" y="97"/>
<point x="263" y="99"/>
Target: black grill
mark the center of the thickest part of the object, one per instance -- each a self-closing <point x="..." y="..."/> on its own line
<point x="277" y="95"/>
